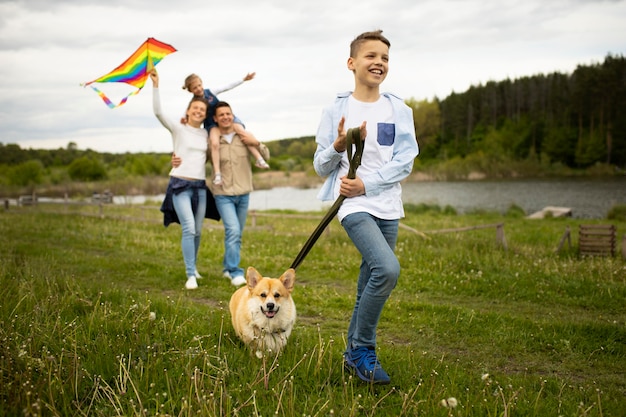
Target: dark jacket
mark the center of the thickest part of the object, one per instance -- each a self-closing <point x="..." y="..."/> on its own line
<point x="177" y="185"/>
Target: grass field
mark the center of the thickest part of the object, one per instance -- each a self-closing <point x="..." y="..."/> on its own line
<point x="94" y="320"/>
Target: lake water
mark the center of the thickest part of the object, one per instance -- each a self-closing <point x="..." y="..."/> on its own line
<point x="586" y="198"/>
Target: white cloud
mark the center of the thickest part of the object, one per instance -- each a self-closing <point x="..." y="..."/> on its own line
<point x="298" y="50"/>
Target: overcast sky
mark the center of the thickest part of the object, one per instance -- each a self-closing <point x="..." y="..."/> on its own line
<point x="298" y="49"/>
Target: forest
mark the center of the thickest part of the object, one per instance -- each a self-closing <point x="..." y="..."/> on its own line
<point x="577" y="119"/>
<point x="572" y="120"/>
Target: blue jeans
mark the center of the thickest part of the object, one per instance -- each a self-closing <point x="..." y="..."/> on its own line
<point x="191" y="223"/>
<point x="234" y="211"/>
<point x="375" y="239"/>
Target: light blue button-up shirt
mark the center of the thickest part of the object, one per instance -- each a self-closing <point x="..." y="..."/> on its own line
<point x="327" y="160"/>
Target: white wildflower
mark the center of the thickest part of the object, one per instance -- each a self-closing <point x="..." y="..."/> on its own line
<point x="449" y="403"/>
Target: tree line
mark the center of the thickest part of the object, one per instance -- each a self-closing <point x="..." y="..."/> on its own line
<point x="572" y="119"/>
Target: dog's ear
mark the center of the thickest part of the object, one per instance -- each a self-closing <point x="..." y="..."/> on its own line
<point x="288" y="279"/>
<point x="253" y="277"/>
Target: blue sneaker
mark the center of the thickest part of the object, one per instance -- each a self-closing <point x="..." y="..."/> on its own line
<point x="363" y="361"/>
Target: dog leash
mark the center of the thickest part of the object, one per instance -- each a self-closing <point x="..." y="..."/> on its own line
<point x="353" y="137"/>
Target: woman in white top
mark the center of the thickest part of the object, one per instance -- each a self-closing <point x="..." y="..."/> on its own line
<point x="187" y="185"/>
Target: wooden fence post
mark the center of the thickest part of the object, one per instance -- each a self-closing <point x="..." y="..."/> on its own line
<point x="500" y="238"/>
<point x="566" y="236"/>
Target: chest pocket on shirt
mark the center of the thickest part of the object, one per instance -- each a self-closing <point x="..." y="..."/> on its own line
<point x="386" y="134"/>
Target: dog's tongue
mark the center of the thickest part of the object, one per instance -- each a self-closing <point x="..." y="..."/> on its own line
<point x="270" y="314"/>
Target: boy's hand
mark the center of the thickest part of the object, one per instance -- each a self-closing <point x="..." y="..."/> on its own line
<point x="351" y="187"/>
<point x="363" y="130"/>
<point x="340" y="143"/>
<point x="176" y="161"/>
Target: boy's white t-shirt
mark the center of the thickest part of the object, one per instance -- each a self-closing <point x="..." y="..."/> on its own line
<point x="377" y="151"/>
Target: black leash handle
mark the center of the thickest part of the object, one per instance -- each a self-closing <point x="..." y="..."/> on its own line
<point x="353" y="137"/>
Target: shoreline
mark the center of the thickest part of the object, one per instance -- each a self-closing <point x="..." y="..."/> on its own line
<point x="300" y="179"/>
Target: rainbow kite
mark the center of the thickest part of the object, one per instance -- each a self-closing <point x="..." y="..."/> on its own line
<point x="135" y="70"/>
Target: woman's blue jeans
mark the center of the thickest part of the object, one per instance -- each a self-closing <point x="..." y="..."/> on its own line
<point x="191" y="224"/>
<point x="234" y="210"/>
<point x="375" y="239"/>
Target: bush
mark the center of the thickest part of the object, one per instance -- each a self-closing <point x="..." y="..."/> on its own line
<point x="515" y="211"/>
<point x="27" y="173"/>
<point x="617" y="212"/>
<point x="423" y="208"/>
<point x="87" y="169"/>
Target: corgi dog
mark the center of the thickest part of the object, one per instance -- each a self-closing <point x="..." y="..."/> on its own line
<point x="263" y="312"/>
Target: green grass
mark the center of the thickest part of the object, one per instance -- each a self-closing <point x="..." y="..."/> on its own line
<point x="94" y="320"/>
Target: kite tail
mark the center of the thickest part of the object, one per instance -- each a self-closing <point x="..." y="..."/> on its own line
<point x="108" y="102"/>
